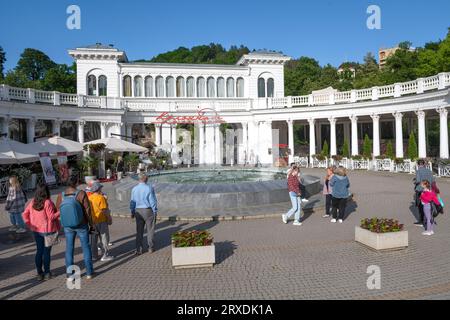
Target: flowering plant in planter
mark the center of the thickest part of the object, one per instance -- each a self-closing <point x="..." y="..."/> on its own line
<point x="193" y="238"/>
<point x="382" y="225"/>
<point x="320" y="157"/>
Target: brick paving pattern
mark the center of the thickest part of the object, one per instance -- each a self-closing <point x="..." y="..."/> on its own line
<point x="258" y="258"/>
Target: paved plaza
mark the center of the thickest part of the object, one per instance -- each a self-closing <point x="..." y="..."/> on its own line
<point x="257" y="258"/>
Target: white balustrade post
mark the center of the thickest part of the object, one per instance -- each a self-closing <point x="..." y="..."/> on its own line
<point x="354" y="120"/>
<point x="443" y="113"/>
<point x="376" y="135"/>
<point x="375" y="93"/>
<point x="312" y="140"/>
<point x="397" y="90"/>
<point x="31" y="97"/>
<point x="291" y="139"/>
<point x="56" y="98"/>
<point x="353" y="96"/>
<point x="419" y="86"/>
<point x="442" y="80"/>
<point x="103" y="102"/>
<point x="398" y="134"/>
<point x="332" y="99"/>
<point x="289" y="102"/>
<point x="310" y="100"/>
<point x="422" y="134"/>
<point x="333" y="147"/>
<point x="81" y="100"/>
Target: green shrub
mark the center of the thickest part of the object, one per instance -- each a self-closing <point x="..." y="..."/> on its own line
<point x="346" y="149"/>
<point x="193" y="238"/>
<point x="367" y="147"/>
<point x="325" y="149"/>
<point x="412" y="147"/>
<point x="389" y="150"/>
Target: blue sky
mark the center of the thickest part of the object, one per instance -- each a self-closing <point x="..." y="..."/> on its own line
<point x="331" y="31"/>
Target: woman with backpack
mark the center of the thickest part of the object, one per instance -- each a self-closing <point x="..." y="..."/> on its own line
<point x="42" y="218"/>
<point x="427" y="197"/>
<point x="76" y="218"/>
<point x="15" y="204"/>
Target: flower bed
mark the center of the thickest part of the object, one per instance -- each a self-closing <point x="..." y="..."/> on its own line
<point x="381" y="225"/>
<point x="381" y="234"/>
<point x="193" y="249"/>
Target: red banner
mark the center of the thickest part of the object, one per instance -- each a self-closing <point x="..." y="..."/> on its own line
<point x="205" y="116"/>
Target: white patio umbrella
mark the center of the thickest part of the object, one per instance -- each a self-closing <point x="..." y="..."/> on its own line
<point x="57" y="144"/>
<point x="118" y="145"/>
<point x="14" y="152"/>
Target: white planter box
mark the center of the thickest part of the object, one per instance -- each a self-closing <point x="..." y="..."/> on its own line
<point x="382" y="241"/>
<point x="193" y="257"/>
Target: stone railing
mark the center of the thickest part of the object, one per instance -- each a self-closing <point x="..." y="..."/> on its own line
<point x="440" y="81"/>
<point x="444" y="170"/>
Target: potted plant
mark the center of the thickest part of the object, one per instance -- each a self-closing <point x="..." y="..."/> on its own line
<point x="381" y="234"/>
<point x="131" y="161"/>
<point x="86" y="165"/>
<point x="193" y="249"/>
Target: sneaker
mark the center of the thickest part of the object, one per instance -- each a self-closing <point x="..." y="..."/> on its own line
<point x="333" y="220"/>
<point x="284" y="218"/>
<point x="110" y="244"/>
<point x="40" y="277"/>
<point x="48" y="276"/>
<point x="297" y="223"/>
<point x="89" y="276"/>
<point x="340" y="221"/>
<point x="418" y="224"/>
<point x="106" y="258"/>
<point x="21" y="230"/>
<point x="326" y="216"/>
<point x="13" y="228"/>
<point x="427" y="233"/>
<point x="305" y="200"/>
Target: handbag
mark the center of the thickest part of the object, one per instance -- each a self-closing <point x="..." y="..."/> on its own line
<point x="8" y="205"/>
<point x="52" y="238"/>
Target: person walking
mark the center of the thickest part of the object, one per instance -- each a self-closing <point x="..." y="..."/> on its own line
<point x="100" y="218"/>
<point x="15" y="205"/>
<point x="42" y="218"/>
<point x="422" y="173"/>
<point x="108" y="215"/>
<point x="144" y="208"/>
<point x="340" y="193"/>
<point x="427" y="196"/>
<point x="300" y="180"/>
<point x="294" y="194"/>
<point x="327" y="191"/>
<point x="76" y="218"/>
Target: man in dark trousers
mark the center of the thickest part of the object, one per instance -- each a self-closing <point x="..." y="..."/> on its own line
<point x="422" y="173"/>
<point x="144" y="208"/>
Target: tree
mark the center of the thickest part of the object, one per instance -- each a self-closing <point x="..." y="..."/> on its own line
<point x="367" y="147"/>
<point x="2" y="62"/>
<point x="61" y="78"/>
<point x="34" y="64"/>
<point x="346" y="149"/>
<point x="389" y="150"/>
<point x="325" y="149"/>
<point x="412" y="147"/>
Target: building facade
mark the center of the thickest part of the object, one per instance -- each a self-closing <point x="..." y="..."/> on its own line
<point x="118" y="97"/>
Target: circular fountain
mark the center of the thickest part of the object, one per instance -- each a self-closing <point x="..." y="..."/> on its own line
<point x="210" y="192"/>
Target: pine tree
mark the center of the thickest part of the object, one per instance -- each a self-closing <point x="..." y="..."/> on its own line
<point x="390" y="150"/>
<point x="412" y="147"/>
<point x="325" y="149"/>
<point x="346" y="149"/>
<point x="367" y="147"/>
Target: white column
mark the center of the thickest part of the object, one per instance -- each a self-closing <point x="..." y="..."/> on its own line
<point x="253" y="141"/>
<point x="129" y="132"/>
<point x="333" y="147"/>
<point x="354" y="121"/>
<point x="5" y="126"/>
<point x="291" y="140"/>
<point x="312" y="138"/>
<point x="244" y="143"/>
<point x="31" y="126"/>
<point x="218" y="145"/>
<point x="209" y="144"/>
<point x="165" y="136"/>
<point x="443" y="113"/>
<point x="376" y="135"/>
<point x="103" y="130"/>
<point x="81" y="131"/>
<point x="157" y="134"/>
<point x="174" y="136"/>
<point x="398" y="134"/>
<point x="56" y="127"/>
<point x="422" y="134"/>
<point x="201" y="143"/>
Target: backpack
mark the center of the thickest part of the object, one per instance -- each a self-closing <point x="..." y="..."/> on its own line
<point x="436" y="209"/>
<point x="71" y="211"/>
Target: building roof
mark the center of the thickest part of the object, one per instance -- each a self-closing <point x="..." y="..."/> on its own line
<point x="263" y="57"/>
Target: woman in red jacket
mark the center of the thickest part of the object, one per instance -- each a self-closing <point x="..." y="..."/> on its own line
<point x="426" y="197"/>
<point x="294" y="194"/>
<point x="42" y="218"/>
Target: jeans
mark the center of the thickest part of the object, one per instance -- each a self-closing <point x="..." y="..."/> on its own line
<point x="338" y="204"/>
<point x="328" y="199"/>
<point x="16" y="219"/>
<point x="43" y="254"/>
<point x="144" y="217"/>
<point x="83" y="234"/>
<point x="102" y="229"/>
<point x="296" y="207"/>
<point x="429" y="221"/>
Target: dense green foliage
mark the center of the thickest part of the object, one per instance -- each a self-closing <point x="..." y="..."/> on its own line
<point x="2" y="62"/>
<point x="346" y="149"/>
<point x="389" y="150"/>
<point x="412" y="147"/>
<point x="367" y="147"/>
<point x="325" y="149"/>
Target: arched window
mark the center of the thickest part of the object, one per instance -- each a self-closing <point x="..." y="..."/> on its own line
<point x="159" y="85"/>
<point x="240" y="88"/>
<point x="270" y="87"/>
<point x="138" y="86"/>
<point x="261" y="88"/>
<point x="127" y="86"/>
<point x="180" y="87"/>
<point x="190" y="87"/>
<point x="170" y="87"/>
<point x="230" y="87"/>
<point x="221" y="87"/>
<point x="148" y="86"/>
<point x="92" y="85"/>
<point x="102" y="86"/>
<point x="201" y="92"/>
<point x="211" y="90"/>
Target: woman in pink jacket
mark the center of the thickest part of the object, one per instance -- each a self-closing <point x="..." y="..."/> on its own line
<point x="42" y="218"/>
